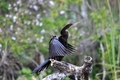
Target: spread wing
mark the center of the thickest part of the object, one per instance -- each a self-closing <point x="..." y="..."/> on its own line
<point x="56" y="48"/>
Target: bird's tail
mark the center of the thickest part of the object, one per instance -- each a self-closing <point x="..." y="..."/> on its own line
<point x="42" y="66"/>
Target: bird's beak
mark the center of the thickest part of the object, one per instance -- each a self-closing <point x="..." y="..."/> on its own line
<point x="75" y="24"/>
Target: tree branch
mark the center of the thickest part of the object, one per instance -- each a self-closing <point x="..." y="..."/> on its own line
<point x="66" y="69"/>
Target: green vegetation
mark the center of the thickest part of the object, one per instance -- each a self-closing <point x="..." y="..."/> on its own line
<point x="26" y="27"/>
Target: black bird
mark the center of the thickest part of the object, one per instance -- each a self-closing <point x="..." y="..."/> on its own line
<point x="58" y="48"/>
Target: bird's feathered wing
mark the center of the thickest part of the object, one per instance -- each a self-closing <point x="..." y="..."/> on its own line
<point x="56" y="48"/>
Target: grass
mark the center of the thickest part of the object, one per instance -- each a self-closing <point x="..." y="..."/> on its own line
<point x="112" y="37"/>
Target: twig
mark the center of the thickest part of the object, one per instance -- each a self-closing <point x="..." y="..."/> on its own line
<point x="4" y="55"/>
<point x="27" y="57"/>
<point x="103" y="61"/>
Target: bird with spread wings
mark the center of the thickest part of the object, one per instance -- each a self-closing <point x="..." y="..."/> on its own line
<point x="58" y="48"/>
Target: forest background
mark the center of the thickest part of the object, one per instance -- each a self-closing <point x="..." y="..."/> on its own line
<point x="26" y="27"/>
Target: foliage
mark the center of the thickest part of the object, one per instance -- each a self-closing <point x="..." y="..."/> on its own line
<point x="27" y="25"/>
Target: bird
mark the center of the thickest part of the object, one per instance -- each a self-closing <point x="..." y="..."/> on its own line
<point x="58" y="48"/>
